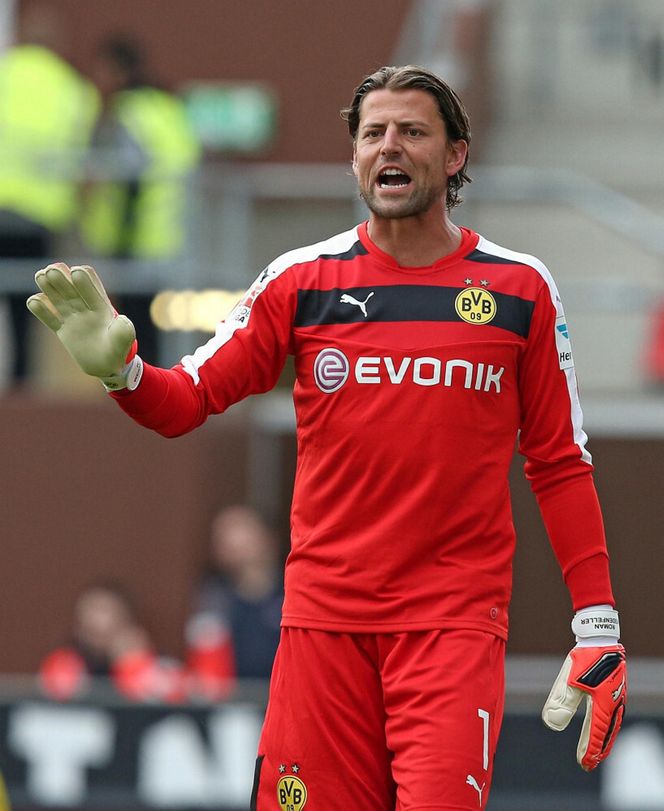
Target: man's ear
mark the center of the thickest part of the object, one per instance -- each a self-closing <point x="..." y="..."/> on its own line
<point x="457" y="152"/>
<point x="354" y="161"/>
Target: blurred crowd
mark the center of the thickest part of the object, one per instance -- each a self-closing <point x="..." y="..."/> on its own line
<point x="101" y="160"/>
<point x="231" y="633"/>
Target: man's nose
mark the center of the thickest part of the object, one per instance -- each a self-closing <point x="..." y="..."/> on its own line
<point x="391" y="141"/>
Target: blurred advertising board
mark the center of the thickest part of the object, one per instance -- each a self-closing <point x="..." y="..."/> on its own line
<point x="116" y="756"/>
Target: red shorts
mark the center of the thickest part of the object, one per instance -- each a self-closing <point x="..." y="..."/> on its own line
<point x="381" y="722"/>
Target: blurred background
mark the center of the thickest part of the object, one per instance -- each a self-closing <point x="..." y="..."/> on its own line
<point x="179" y="147"/>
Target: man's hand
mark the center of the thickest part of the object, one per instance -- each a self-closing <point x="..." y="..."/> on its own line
<point x="598" y="673"/>
<point x="74" y="304"/>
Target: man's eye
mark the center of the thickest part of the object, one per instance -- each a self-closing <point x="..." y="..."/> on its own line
<point x="413" y="132"/>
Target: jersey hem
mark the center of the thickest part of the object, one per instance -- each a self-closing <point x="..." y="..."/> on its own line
<point x="350" y="626"/>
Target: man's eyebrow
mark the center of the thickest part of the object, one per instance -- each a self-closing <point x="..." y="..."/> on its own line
<point x="405" y="123"/>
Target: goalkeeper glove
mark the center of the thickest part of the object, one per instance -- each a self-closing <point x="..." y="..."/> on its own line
<point x="594" y="669"/>
<point x="74" y="304"/>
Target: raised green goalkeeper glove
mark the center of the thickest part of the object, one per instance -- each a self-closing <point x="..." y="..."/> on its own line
<point x="74" y="304"/>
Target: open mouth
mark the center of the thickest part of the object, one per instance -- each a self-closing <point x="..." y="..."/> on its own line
<point x="393" y="179"/>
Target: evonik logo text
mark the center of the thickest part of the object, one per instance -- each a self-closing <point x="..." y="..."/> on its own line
<point x="332" y="369"/>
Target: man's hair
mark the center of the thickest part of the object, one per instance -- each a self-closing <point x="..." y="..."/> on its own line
<point x="450" y="106"/>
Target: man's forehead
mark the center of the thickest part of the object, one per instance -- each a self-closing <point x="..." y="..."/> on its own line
<point x="407" y="103"/>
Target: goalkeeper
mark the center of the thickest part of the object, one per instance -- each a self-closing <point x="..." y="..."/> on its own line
<point x="422" y="351"/>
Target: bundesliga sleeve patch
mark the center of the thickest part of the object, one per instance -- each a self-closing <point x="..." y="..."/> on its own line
<point x="563" y="345"/>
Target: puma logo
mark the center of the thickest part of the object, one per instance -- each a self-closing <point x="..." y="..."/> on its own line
<point x="615" y="695"/>
<point x="348" y="299"/>
<point x="470" y="780"/>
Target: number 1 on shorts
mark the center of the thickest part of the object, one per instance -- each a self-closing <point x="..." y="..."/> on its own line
<point x="484" y="715"/>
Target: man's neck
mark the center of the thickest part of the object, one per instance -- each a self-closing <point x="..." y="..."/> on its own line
<point x="415" y="241"/>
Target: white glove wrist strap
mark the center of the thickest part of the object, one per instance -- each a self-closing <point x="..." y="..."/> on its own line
<point x="596" y="621"/>
<point x="128" y="378"/>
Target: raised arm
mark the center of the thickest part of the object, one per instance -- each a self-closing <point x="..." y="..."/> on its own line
<point x="74" y="305"/>
<point x="245" y="356"/>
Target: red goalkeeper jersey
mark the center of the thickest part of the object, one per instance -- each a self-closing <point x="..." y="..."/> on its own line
<point x="413" y="385"/>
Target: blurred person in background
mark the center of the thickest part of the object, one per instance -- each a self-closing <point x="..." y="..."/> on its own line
<point x="144" y="153"/>
<point x="233" y="631"/>
<point x="653" y="356"/>
<point x="47" y="111"/>
<point x="423" y="352"/>
<point x="108" y="642"/>
<point x="4" y="798"/>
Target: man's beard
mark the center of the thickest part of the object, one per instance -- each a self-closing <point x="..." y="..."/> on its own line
<point x="420" y="201"/>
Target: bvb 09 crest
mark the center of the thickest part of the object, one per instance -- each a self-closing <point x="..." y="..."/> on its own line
<point x="292" y="793"/>
<point x="475" y="305"/>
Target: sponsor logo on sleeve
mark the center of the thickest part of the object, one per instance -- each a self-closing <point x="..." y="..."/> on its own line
<point x="563" y="344"/>
<point x="242" y="310"/>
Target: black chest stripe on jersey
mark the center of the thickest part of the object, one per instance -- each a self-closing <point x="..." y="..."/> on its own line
<point x="403" y="303"/>
<point x="357" y="249"/>
<point x="489" y="258"/>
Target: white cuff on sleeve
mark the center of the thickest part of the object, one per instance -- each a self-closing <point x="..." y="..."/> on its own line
<point x="596" y="621"/>
<point x="128" y="378"/>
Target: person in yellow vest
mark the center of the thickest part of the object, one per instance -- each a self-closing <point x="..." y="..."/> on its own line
<point x="144" y="154"/>
<point x="47" y="112"/>
<point x="4" y="799"/>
